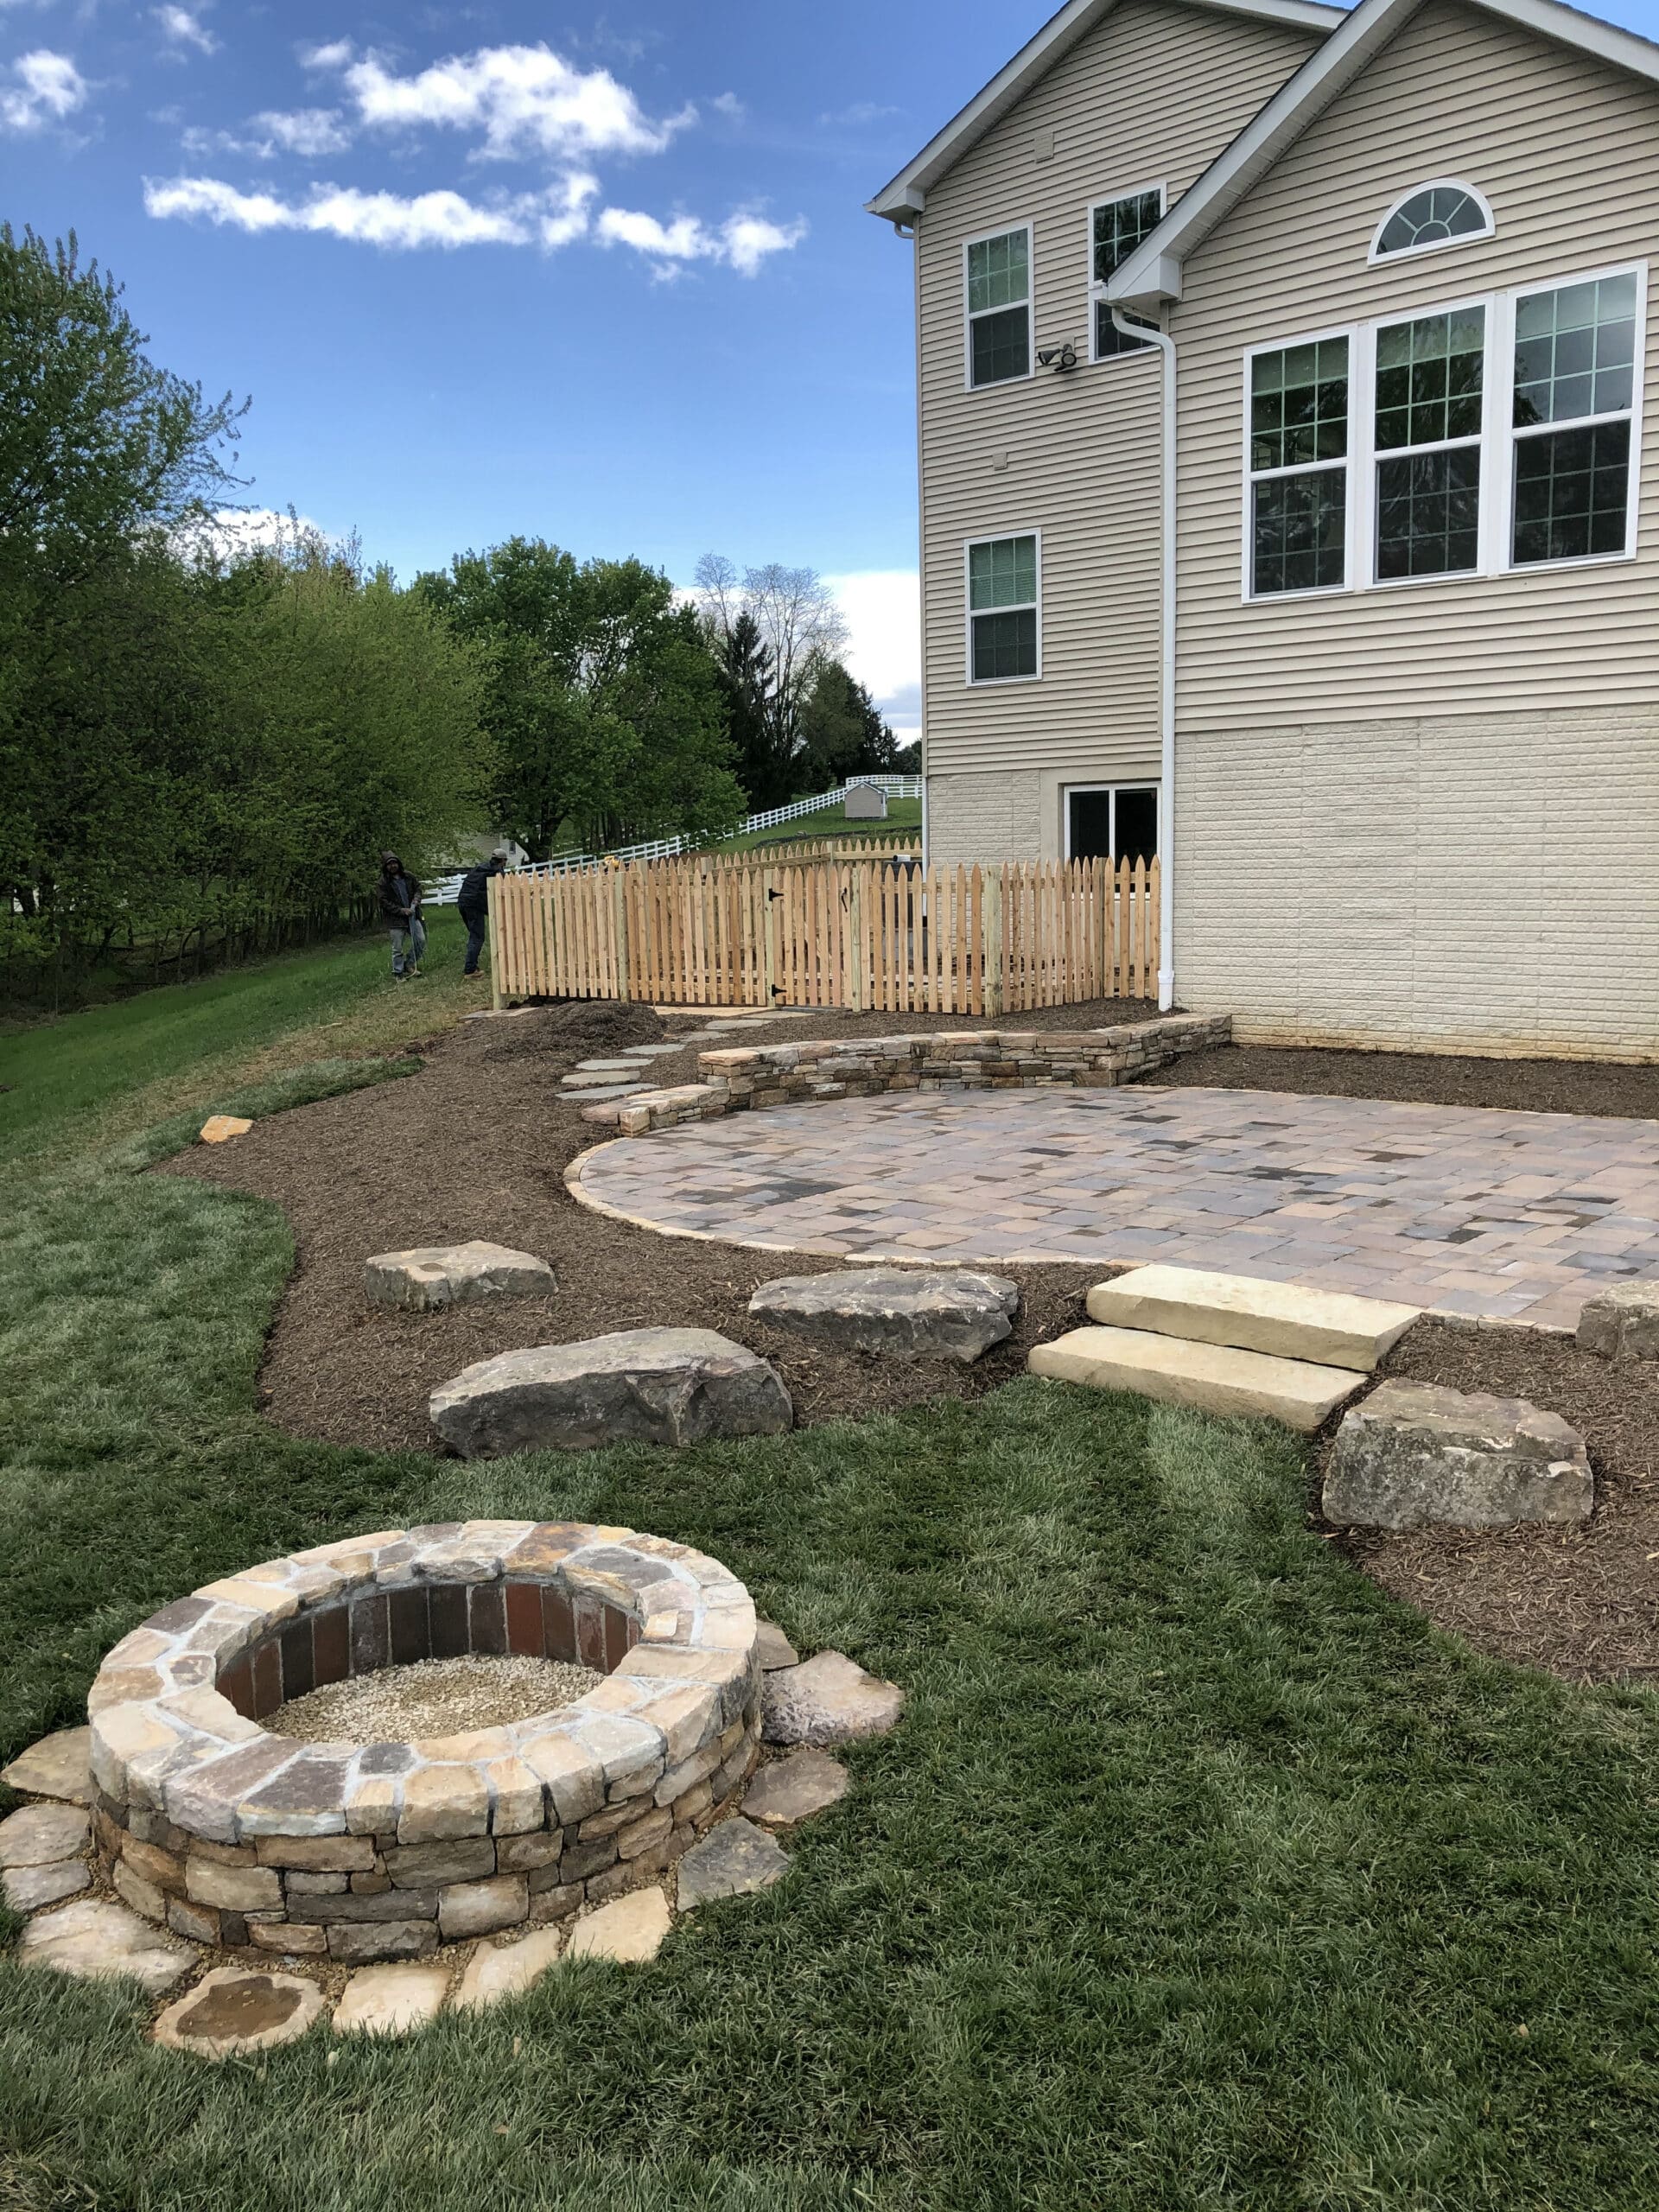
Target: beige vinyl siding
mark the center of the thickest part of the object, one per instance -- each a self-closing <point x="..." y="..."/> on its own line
<point x="1566" y="150"/>
<point x="1150" y="97"/>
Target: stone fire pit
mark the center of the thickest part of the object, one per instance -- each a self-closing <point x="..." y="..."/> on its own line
<point x="211" y="1825"/>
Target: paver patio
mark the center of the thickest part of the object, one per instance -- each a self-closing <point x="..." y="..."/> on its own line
<point x="1462" y="1208"/>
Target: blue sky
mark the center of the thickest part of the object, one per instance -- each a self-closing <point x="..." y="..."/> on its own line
<point x="601" y="276"/>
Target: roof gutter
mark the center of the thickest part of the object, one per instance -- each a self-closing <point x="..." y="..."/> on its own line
<point x="1147" y="334"/>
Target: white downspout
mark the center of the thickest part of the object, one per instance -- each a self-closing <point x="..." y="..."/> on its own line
<point x="1147" y="334"/>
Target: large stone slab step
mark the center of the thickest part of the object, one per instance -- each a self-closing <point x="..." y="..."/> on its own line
<point x="1330" y="1327"/>
<point x="1179" y="1371"/>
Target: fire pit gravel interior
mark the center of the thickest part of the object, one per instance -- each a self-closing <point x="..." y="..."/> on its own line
<point x="227" y="1833"/>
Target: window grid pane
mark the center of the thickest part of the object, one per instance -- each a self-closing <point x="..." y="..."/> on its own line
<point x="1119" y="227"/>
<point x="1002" y="572"/>
<point x="1428" y="513"/>
<point x="1444" y="211"/>
<point x="1299" y="528"/>
<point x="1428" y="379"/>
<point x="1001" y="346"/>
<point x="998" y="272"/>
<point x="1299" y="404"/>
<point x="1572" y="493"/>
<point x="1575" y="350"/>
<point x="1005" y="646"/>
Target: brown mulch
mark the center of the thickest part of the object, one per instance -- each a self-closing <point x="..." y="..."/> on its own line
<point x="1581" y="1601"/>
<point x="1426" y="1078"/>
<point x="476" y="1144"/>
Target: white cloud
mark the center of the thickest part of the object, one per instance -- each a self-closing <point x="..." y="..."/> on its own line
<point x="232" y="532"/>
<point x="883" y="608"/>
<point x="524" y="100"/>
<point x="381" y="218"/>
<point x="743" y="242"/>
<point x="306" y="130"/>
<point x="334" y="55"/>
<point x="184" y="27"/>
<point x="39" y="88"/>
<point x="727" y="103"/>
<point x="858" y="115"/>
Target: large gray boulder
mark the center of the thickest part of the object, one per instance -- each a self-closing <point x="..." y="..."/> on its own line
<point x="1621" y="1322"/>
<point x="448" y="1275"/>
<point x="901" y="1313"/>
<point x="646" y="1386"/>
<point x="1413" y="1454"/>
<point x="829" y="1699"/>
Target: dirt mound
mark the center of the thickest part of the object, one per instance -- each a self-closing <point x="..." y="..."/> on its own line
<point x="578" y="1026"/>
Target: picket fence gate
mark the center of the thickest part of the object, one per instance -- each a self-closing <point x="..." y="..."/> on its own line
<point x="871" y="935"/>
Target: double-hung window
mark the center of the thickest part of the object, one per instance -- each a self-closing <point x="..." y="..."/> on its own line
<point x="1116" y="229"/>
<point x="1004" y="643"/>
<point x="1492" y="435"/>
<point x="998" y="277"/>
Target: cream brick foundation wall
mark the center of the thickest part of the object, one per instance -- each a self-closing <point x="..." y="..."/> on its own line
<point x="1486" y="884"/>
<point x="988" y="819"/>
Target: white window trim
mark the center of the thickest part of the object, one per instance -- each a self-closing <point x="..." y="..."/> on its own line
<point x="969" y="318"/>
<point x="1498" y="438"/>
<point x="1141" y="784"/>
<point x="1432" y="245"/>
<point x="1098" y="291"/>
<point x="997" y="538"/>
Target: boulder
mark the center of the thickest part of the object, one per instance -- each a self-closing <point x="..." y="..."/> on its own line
<point x="827" y="1700"/>
<point x="1621" y="1322"/>
<point x="646" y="1386"/>
<point x="900" y="1312"/>
<point x="1415" y="1453"/>
<point x="449" y="1275"/>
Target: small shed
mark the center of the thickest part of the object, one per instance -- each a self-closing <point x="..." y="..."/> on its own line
<point x="865" y="803"/>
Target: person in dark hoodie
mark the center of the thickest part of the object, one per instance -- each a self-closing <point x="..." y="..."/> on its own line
<point x="473" y="904"/>
<point x="400" y="910"/>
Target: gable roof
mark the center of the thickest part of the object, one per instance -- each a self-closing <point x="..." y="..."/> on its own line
<point x="1152" y="275"/>
<point x="903" y="200"/>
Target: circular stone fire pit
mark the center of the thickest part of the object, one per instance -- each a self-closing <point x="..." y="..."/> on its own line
<point x="228" y="1833"/>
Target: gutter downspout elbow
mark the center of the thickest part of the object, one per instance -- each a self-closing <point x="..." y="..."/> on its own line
<point x="1149" y="335"/>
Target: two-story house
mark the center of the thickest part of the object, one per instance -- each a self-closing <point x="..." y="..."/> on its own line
<point x="1280" y="380"/>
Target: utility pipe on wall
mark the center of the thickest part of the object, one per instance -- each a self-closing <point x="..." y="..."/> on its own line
<point x="1147" y="334"/>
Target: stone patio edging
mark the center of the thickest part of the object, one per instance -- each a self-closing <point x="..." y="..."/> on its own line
<point x="740" y="1078"/>
<point x="212" y="1826"/>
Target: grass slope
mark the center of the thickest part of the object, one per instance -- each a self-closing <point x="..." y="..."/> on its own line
<point x="904" y="815"/>
<point x="1199" y="1874"/>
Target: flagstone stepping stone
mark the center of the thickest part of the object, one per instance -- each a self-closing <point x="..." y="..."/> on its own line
<point x="498" y="1970"/>
<point x="648" y="1386"/>
<point x="629" y="1929"/>
<point x="40" y="1833"/>
<point x="27" y="1889"/>
<point x="773" y="1648"/>
<point x="827" y="1700"/>
<point x="601" y="1067"/>
<point x="1621" y="1322"/>
<point x="238" y="2009"/>
<point x="731" y="1861"/>
<point x="1415" y="1453"/>
<point x="97" y="1940"/>
<point x="789" y="1791"/>
<point x="390" y="2000"/>
<point x="430" y="1276"/>
<point x="900" y="1312"/>
<point x="601" y="1092"/>
<point x="58" y="1766"/>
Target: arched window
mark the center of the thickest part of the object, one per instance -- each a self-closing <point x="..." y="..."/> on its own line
<point x="1445" y="213"/>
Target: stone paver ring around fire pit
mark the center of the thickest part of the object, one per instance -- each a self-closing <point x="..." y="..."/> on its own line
<point x="358" y="1851"/>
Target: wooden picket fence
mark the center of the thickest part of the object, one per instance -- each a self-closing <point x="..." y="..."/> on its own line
<point x="873" y="935"/>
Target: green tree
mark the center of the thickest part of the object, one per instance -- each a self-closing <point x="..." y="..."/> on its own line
<point x="602" y="697"/>
<point x="842" y="733"/>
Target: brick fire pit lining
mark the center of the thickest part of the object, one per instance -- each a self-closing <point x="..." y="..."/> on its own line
<point x="226" y="1833"/>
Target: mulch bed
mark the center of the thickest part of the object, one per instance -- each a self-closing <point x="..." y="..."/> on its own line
<point x="476" y="1144"/>
<point x="1426" y="1078"/>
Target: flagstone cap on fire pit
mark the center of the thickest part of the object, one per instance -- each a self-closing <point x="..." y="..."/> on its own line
<point x="176" y="1708"/>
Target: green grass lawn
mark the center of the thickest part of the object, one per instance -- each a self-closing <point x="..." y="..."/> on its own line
<point x="904" y="819"/>
<point x="1199" y="1873"/>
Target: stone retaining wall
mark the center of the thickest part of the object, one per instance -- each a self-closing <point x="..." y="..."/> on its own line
<point x="862" y="1067"/>
<point x="208" y="1824"/>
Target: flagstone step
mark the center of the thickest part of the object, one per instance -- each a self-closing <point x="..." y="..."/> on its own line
<point x="1331" y="1327"/>
<point x="1181" y="1371"/>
